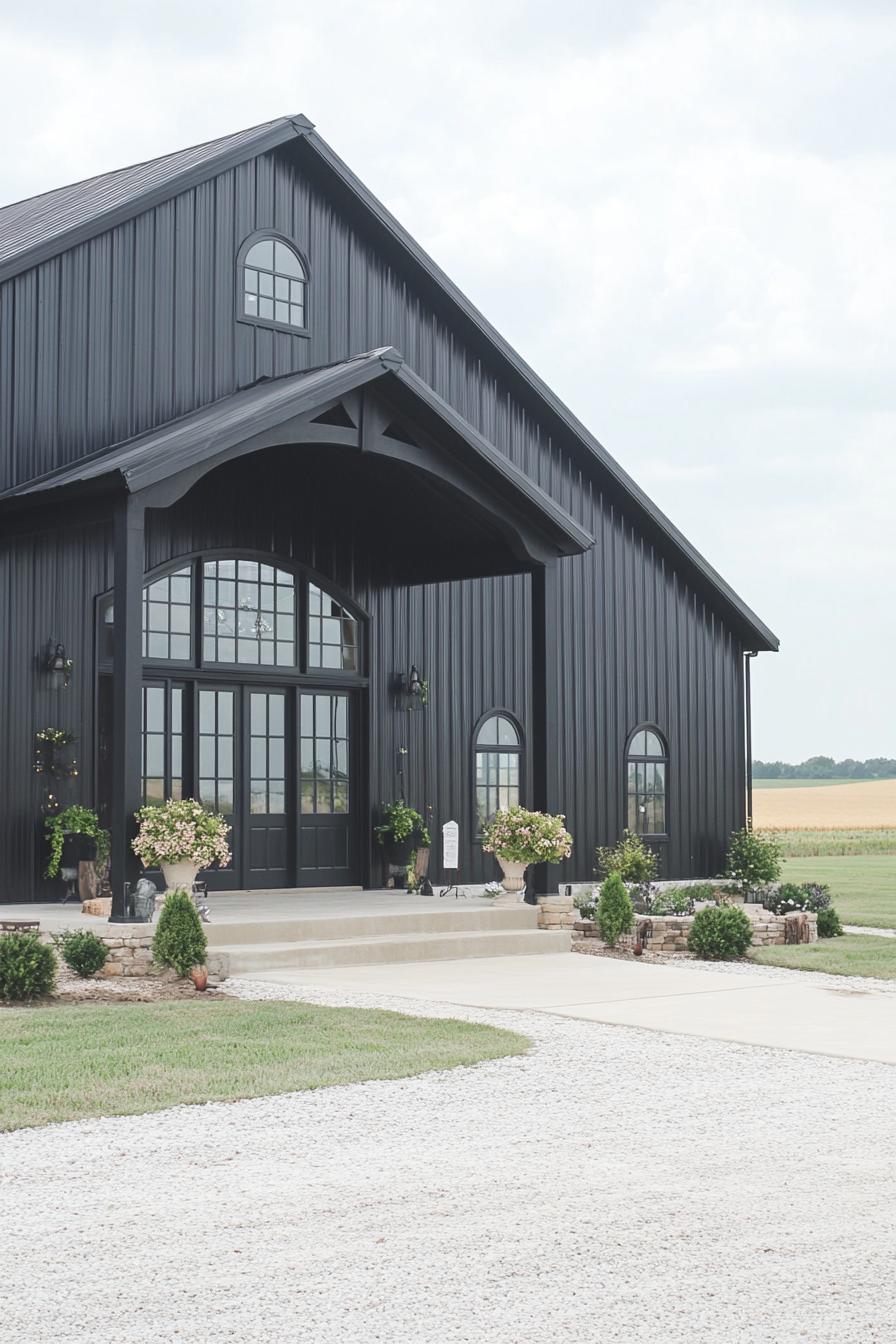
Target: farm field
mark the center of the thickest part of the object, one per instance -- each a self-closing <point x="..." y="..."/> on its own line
<point x="804" y="783"/>
<point x="859" y="804"/>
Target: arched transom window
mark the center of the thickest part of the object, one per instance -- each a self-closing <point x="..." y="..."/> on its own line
<point x="251" y="614"/>
<point x="646" y="766"/>
<point x="498" y="752"/>
<point x="275" y="284"/>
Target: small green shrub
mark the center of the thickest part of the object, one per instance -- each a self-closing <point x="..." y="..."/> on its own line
<point x="27" y="967"/>
<point x="791" y="896"/>
<point x="829" y="925"/>
<point x="630" y="858"/>
<point x="81" y="951"/>
<point x="586" y="903"/>
<point x="179" y="939"/>
<point x="753" y="860"/>
<point x="720" y="933"/>
<point x="615" y="912"/>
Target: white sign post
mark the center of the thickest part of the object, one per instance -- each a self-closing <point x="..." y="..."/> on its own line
<point x="450" y="850"/>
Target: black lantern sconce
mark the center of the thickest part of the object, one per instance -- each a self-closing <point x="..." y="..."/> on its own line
<point x="59" y="666"/>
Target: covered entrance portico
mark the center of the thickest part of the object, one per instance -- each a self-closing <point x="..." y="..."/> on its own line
<point x="361" y="451"/>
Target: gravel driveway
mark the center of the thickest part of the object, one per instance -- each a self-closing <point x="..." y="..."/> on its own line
<point x="613" y="1185"/>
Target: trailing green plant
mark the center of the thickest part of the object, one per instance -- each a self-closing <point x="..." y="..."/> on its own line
<point x="27" y="967"/>
<point x="754" y="860"/>
<point x="781" y="900"/>
<point x="829" y="925"/>
<point x="521" y="836"/>
<point x="75" y="820"/>
<point x="401" y="822"/>
<point x="179" y="940"/>
<point x="81" y="950"/>
<point x="720" y="933"/>
<point x="615" y="912"/>
<point x="630" y="858"/>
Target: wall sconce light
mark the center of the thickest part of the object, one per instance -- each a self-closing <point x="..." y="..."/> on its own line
<point x="415" y="685"/>
<point x="59" y="666"/>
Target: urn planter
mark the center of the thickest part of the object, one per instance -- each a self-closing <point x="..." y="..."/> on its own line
<point x="513" y="882"/>
<point x="179" y="876"/>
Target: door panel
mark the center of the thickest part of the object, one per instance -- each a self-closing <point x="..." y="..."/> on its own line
<point x="266" y="817"/>
<point x="326" y="789"/>
<point x="217" y="739"/>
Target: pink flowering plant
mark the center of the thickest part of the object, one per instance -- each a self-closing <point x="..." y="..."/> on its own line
<point x="181" y="831"/>
<point x="527" y="837"/>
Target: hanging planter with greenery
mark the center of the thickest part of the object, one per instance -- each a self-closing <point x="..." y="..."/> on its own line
<point x="75" y="820"/>
<point x="401" y="831"/>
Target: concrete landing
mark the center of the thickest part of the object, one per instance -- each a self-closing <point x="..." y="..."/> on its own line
<point x="792" y="1014"/>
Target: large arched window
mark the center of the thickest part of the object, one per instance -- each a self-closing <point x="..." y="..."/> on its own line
<point x="647" y="760"/>
<point x="498" y="752"/>
<point x="274" y="284"/>
<point x="252" y="614"/>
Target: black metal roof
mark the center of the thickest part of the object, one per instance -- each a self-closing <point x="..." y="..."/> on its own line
<point x="202" y="435"/>
<point x="38" y="228"/>
<point x="35" y="229"/>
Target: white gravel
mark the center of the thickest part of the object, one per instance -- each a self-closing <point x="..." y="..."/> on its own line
<point x="611" y="1185"/>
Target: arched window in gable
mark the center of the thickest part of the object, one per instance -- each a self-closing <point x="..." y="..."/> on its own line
<point x="274" y="284"/>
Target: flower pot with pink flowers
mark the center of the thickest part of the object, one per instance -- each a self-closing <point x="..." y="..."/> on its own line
<point x="181" y="837"/>
<point x="518" y="838"/>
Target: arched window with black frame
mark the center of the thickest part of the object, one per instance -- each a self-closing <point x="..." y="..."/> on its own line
<point x="647" y="768"/>
<point x="498" y="750"/>
<point x="273" y="284"/>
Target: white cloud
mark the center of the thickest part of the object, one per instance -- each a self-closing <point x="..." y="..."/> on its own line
<point x="680" y="213"/>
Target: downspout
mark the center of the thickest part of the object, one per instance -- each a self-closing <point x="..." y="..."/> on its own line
<point x="748" y="720"/>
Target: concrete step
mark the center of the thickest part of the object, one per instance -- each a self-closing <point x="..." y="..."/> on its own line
<point x="318" y="953"/>
<point x="444" y="918"/>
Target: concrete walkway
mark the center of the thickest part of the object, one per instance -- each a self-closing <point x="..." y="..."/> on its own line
<point x="788" y="1013"/>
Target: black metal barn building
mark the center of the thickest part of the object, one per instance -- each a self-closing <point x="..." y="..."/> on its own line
<point x="259" y="458"/>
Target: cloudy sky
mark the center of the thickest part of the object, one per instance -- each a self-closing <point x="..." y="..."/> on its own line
<point x="681" y="214"/>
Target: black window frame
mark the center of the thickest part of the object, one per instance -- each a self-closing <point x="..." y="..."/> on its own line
<point x="649" y="758"/>
<point x="261" y="236"/>
<point x="498" y="712"/>
<point x="301" y="670"/>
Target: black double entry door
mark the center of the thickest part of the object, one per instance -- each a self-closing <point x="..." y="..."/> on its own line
<point x="278" y="763"/>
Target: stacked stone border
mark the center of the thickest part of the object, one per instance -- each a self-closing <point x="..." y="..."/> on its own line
<point x="130" y="954"/>
<point x="669" y="933"/>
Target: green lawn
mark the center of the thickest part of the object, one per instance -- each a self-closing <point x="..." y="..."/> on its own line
<point x="863" y="886"/>
<point x="69" y="1063"/>
<point x="853" y="954"/>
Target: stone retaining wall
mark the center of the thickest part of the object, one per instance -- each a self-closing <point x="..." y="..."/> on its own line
<point x="669" y="933"/>
<point x="131" y="954"/>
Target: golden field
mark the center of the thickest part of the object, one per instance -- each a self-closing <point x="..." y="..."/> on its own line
<point x="865" y="803"/>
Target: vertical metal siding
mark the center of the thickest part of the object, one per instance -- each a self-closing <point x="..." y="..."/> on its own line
<point x="137" y="326"/>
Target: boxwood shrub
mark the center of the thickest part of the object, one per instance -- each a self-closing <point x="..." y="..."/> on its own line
<point x="81" y="950"/>
<point x="829" y="925"/>
<point x="720" y="933"/>
<point x="27" y="967"/>
<point x="179" y="939"/>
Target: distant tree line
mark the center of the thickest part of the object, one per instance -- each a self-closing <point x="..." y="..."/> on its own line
<point x="825" y="767"/>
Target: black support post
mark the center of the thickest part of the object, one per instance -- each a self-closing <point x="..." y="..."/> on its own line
<point x="126" y="695"/>
<point x="545" y="702"/>
<point x="748" y="721"/>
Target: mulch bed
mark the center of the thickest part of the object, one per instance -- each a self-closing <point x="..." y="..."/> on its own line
<point x="72" y="989"/>
<point x="586" y="946"/>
